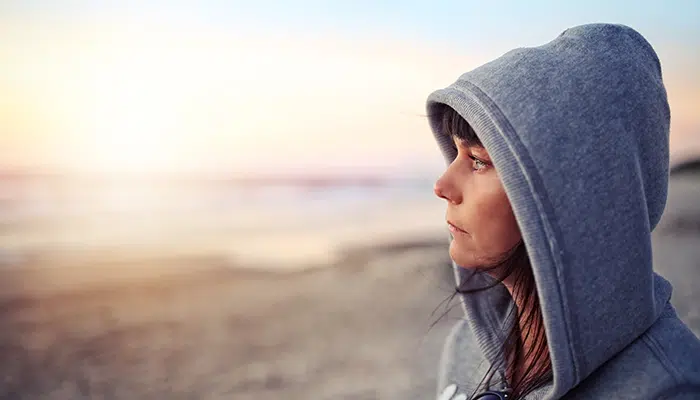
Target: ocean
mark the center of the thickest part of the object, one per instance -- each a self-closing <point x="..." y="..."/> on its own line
<point x="276" y="223"/>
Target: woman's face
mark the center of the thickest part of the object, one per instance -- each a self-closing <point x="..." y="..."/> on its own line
<point x="479" y="214"/>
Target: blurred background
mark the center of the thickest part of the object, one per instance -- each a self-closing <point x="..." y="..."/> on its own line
<point x="226" y="199"/>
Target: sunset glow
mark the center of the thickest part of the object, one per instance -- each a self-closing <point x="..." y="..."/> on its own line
<point x="117" y="93"/>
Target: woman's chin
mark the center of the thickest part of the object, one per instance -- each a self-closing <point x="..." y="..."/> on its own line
<point x="460" y="256"/>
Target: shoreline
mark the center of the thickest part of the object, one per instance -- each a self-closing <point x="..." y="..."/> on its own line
<point x="47" y="274"/>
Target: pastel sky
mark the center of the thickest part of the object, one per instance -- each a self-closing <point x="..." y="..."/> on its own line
<point x="278" y="85"/>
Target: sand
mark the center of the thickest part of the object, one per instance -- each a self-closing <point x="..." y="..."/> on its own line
<point x="357" y="330"/>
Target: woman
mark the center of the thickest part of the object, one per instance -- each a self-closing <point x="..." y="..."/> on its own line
<point x="557" y="174"/>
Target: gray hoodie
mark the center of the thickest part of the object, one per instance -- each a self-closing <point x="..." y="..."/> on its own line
<point x="578" y="131"/>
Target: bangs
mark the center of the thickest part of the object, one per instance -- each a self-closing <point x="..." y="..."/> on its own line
<point x="453" y="125"/>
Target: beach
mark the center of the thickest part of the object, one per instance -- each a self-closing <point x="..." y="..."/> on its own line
<point x="358" y="330"/>
<point x="338" y="295"/>
<point x="343" y="294"/>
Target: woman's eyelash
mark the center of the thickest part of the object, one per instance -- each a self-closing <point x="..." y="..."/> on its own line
<point x="479" y="163"/>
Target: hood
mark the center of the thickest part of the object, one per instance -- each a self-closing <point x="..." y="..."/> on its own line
<point x="578" y="131"/>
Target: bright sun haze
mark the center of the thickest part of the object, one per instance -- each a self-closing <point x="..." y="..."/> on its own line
<point x="211" y="87"/>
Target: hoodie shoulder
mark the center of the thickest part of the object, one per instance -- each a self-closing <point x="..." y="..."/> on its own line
<point x="688" y="393"/>
<point x="663" y="364"/>
<point x="677" y="348"/>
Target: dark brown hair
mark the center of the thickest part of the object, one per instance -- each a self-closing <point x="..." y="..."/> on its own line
<point x="525" y="324"/>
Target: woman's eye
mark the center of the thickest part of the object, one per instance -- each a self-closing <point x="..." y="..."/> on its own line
<point x="478" y="164"/>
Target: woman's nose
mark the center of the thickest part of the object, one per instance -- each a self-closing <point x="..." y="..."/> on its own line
<point x="444" y="189"/>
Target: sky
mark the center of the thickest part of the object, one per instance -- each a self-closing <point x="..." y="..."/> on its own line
<point x="278" y="85"/>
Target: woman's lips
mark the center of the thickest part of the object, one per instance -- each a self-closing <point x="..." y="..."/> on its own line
<point x="454" y="229"/>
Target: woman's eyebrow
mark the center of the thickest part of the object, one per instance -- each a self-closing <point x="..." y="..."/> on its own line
<point x="480" y="152"/>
